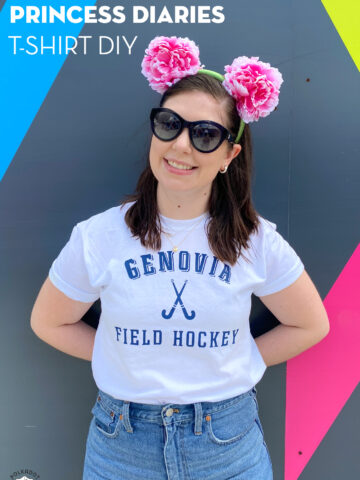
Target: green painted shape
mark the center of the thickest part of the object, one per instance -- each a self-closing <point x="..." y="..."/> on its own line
<point x="345" y="15"/>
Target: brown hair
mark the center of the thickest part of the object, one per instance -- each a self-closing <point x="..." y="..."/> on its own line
<point x="232" y="214"/>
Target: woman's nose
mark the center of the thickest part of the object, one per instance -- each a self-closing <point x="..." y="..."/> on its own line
<point x="182" y="142"/>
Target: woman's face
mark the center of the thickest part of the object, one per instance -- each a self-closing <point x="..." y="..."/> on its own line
<point x="191" y="106"/>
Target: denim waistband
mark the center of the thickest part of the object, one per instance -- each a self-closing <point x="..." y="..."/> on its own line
<point x="160" y="413"/>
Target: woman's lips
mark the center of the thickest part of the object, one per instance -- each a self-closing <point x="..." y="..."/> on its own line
<point x="178" y="171"/>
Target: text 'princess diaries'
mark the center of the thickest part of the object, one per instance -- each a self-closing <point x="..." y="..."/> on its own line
<point x="117" y="14"/>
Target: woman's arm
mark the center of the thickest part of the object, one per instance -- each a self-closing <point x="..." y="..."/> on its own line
<point x="303" y="318"/>
<point x="56" y="319"/>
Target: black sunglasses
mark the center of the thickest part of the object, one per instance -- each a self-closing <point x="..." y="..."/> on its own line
<point x="205" y="135"/>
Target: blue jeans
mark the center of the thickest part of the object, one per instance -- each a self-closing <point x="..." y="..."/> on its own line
<point x="196" y="441"/>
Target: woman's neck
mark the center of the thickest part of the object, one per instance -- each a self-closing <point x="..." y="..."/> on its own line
<point x="182" y="205"/>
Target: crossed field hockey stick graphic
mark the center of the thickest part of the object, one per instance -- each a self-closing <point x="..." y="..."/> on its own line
<point x="178" y="300"/>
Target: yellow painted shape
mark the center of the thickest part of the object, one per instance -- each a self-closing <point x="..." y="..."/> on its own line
<point x="345" y="15"/>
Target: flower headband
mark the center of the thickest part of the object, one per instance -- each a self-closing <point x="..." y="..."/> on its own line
<point x="253" y="84"/>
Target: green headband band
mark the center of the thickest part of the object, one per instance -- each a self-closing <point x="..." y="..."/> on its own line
<point x="221" y="78"/>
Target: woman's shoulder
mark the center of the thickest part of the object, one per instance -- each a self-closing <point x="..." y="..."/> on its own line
<point x="264" y="228"/>
<point x="265" y="223"/>
<point x="111" y="219"/>
<point x="259" y="237"/>
<point x="269" y="242"/>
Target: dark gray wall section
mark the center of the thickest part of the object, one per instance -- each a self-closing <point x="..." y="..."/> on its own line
<point x="85" y="149"/>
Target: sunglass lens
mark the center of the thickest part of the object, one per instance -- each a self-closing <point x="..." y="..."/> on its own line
<point x="206" y="137"/>
<point x="166" y="125"/>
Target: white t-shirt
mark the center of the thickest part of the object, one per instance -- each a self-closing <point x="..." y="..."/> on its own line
<point x="174" y="327"/>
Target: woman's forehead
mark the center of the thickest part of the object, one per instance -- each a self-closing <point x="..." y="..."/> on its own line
<point x="197" y="105"/>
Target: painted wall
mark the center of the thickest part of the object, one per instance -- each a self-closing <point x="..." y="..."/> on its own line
<point x="74" y="133"/>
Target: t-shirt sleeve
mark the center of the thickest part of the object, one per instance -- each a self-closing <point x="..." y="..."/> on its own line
<point x="72" y="271"/>
<point x="281" y="264"/>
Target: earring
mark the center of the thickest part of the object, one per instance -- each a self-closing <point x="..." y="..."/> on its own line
<point x="224" y="169"/>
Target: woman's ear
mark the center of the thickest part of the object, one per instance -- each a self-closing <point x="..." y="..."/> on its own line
<point x="234" y="152"/>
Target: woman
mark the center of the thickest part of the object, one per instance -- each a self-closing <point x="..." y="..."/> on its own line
<point x="175" y="266"/>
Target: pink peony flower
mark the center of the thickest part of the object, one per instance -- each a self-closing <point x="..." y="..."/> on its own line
<point x="255" y="85"/>
<point x="168" y="59"/>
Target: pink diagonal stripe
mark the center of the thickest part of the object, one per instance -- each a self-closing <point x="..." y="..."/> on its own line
<point x="320" y="381"/>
